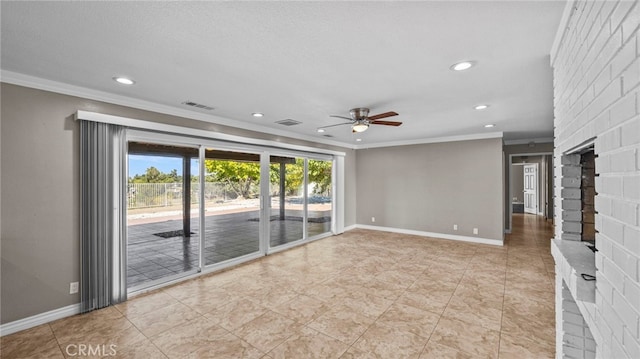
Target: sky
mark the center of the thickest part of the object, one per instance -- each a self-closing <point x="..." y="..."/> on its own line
<point x="138" y="164"/>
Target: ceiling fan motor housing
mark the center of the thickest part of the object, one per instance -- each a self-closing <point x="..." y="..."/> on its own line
<point x="359" y="113"/>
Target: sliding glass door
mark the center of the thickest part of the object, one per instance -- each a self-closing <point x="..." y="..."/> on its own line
<point x="287" y="179"/>
<point x="162" y="213"/>
<point x="198" y="206"/>
<point x="301" y="199"/>
<point x="231" y="205"/>
<point x="320" y="198"/>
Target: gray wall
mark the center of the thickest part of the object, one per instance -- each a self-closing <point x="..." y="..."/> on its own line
<point x="517" y="183"/>
<point x="431" y="187"/>
<point x="40" y="193"/>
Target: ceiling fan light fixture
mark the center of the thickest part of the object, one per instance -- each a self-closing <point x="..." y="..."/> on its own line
<point x="359" y="127"/>
<point x="461" y="66"/>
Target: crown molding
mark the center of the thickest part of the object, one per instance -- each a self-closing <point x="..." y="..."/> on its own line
<point x="480" y="136"/>
<point x="19" y="79"/>
<point x="527" y="141"/>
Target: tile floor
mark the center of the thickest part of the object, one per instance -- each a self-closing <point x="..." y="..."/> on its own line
<point x="363" y="294"/>
<point x="227" y="236"/>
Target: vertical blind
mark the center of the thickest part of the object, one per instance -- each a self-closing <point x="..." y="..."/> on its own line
<point x="102" y="232"/>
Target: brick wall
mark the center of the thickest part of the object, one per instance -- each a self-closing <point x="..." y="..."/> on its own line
<point x="574" y="339"/>
<point x="596" y="96"/>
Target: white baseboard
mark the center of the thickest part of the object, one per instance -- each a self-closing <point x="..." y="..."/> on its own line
<point x="495" y="242"/>
<point x="38" y="319"/>
<point x="353" y="226"/>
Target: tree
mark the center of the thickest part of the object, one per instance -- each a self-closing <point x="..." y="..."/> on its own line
<point x="320" y="174"/>
<point x="239" y="176"/>
<point x="153" y="175"/>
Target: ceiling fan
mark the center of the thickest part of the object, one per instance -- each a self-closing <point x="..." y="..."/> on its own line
<point x="360" y="120"/>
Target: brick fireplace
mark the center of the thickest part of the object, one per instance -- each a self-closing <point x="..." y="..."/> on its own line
<point x="596" y="67"/>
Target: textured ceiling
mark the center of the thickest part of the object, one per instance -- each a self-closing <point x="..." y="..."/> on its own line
<point x="305" y="60"/>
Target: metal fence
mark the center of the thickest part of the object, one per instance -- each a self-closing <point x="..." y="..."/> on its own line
<point x="146" y="195"/>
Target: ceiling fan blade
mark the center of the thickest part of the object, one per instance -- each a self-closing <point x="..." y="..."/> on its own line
<point x="383" y="115"/>
<point x="386" y="123"/>
<point x="346" y="118"/>
<point x="338" y="124"/>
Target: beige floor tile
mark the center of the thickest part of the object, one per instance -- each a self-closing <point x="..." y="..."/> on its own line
<point x="267" y="331"/>
<point x="354" y="353"/>
<point x="188" y="337"/>
<point x="386" y="342"/>
<point x="364" y="303"/>
<point x="541" y="328"/>
<point x="274" y="297"/>
<point x="80" y="325"/>
<point x="35" y="342"/>
<point x="204" y="301"/>
<point x="163" y="319"/>
<point x="302" y="309"/>
<point x="432" y="299"/>
<point x="226" y="347"/>
<point x="462" y="336"/>
<point x="525" y="348"/>
<point x="143" y="349"/>
<point x="145" y="303"/>
<point x="450" y="275"/>
<point x="383" y="289"/>
<point x="325" y="291"/>
<point x="342" y="323"/>
<point x="402" y="278"/>
<point x="190" y="288"/>
<point x="410" y="319"/>
<point x="105" y="339"/>
<point x="236" y="313"/>
<point x="308" y="343"/>
<point x="388" y="293"/>
<point x="437" y="351"/>
<point x="476" y="311"/>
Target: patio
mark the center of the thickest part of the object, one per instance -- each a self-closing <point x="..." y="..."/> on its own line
<point x="227" y="236"/>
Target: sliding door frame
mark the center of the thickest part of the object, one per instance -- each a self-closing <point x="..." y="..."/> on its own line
<point x="187" y="140"/>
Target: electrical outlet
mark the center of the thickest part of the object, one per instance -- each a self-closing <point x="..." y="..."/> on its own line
<point x="455" y="227"/>
<point x="73" y="287"/>
<point x="475" y="231"/>
<point x="373" y="219"/>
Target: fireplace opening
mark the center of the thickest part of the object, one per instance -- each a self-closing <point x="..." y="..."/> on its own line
<point x="587" y="196"/>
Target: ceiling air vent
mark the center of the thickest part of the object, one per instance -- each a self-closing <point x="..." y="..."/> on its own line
<point x="288" y="122"/>
<point x="198" y="105"/>
<point x="328" y="135"/>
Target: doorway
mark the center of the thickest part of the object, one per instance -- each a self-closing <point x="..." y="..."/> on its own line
<point x="530" y="177"/>
<point x="530" y="185"/>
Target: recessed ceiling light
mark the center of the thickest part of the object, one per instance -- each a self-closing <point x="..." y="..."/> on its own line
<point x="481" y="107"/>
<point x="123" y="80"/>
<point x="257" y="114"/>
<point x="321" y="130"/>
<point x="358" y="139"/>
<point x="489" y="125"/>
<point x="461" y="66"/>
